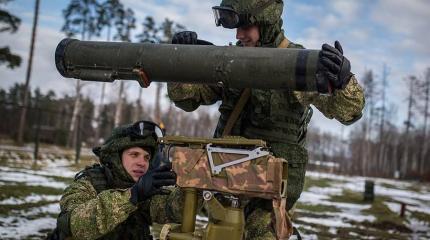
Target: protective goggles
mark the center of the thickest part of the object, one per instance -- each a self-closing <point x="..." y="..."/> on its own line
<point x="143" y="129"/>
<point x="229" y="18"/>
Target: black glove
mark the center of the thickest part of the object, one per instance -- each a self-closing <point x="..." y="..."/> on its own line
<point x="188" y="37"/>
<point x="336" y="69"/>
<point x="150" y="184"/>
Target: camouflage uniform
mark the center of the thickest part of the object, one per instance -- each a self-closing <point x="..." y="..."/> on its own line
<point x="97" y="204"/>
<point x="280" y="117"/>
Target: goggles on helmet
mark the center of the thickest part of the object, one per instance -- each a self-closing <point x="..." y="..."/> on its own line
<point x="143" y="129"/>
<point x="229" y="18"/>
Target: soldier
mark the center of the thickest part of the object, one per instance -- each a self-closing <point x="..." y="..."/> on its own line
<point x="280" y="117"/>
<point x="117" y="199"/>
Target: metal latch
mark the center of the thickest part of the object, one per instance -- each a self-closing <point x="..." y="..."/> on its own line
<point x="252" y="154"/>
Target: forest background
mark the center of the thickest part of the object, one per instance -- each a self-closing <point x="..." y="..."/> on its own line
<point x="389" y="56"/>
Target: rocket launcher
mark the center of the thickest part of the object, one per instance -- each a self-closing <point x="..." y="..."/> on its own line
<point x="230" y="66"/>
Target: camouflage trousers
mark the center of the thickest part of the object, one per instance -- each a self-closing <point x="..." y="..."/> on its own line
<point x="258" y="225"/>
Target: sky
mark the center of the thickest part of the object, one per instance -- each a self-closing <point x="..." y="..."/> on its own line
<point x="372" y="33"/>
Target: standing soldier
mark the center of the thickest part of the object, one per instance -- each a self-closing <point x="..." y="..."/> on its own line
<point x="280" y="117"/>
<point x="117" y="199"/>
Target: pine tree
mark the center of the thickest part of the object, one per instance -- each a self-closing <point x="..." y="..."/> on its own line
<point x="8" y="23"/>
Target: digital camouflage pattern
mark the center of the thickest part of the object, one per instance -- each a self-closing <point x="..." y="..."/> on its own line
<point x="261" y="177"/>
<point x="269" y="20"/>
<point x="95" y="216"/>
<point x="97" y="204"/>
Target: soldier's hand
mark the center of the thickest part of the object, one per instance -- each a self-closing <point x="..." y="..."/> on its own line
<point x="150" y="184"/>
<point x="337" y="68"/>
<point x="188" y="37"/>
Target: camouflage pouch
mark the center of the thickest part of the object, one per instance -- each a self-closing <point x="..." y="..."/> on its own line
<point x="260" y="177"/>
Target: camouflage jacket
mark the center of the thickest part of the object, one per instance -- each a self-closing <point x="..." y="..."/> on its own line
<point x="109" y="213"/>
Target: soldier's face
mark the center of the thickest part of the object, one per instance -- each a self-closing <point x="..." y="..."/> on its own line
<point x="248" y="35"/>
<point x="136" y="162"/>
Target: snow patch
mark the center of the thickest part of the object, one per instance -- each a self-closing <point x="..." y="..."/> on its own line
<point x="33" y="198"/>
<point x="31" y="180"/>
<point x="329" y="222"/>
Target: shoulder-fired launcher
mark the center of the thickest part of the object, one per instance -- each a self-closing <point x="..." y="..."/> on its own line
<point x="237" y="67"/>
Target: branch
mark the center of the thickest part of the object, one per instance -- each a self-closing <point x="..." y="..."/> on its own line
<point x="12" y="22"/>
<point x="6" y="57"/>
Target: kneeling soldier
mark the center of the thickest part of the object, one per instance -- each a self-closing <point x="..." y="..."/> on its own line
<point x="112" y="200"/>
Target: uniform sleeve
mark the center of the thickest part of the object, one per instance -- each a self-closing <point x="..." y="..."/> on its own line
<point x="162" y="205"/>
<point x="93" y="215"/>
<point x="345" y="105"/>
<point x="169" y="208"/>
<point x="189" y="97"/>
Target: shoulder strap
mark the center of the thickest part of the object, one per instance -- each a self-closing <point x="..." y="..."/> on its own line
<point x="236" y="111"/>
<point x="243" y="100"/>
<point x="99" y="175"/>
<point x="284" y="43"/>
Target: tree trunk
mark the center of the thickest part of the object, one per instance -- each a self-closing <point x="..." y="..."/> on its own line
<point x="425" y="143"/>
<point x="381" y="149"/>
<point x="71" y="142"/>
<point x="138" y="111"/>
<point x="118" y="110"/>
<point x="404" y="164"/>
<point x="157" y="110"/>
<point x="28" y="75"/>
<point x="98" y="112"/>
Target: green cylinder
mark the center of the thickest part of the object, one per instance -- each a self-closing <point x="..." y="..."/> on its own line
<point x="232" y="227"/>
<point x="237" y="67"/>
<point x="189" y="211"/>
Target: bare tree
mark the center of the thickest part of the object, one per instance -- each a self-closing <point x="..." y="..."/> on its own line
<point x="124" y="24"/>
<point x="381" y="159"/>
<point x="403" y="166"/>
<point x="80" y="18"/>
<point x="425" y="86"/>
<point x="108" y="13"/>
<point x="370" y="94"/>
<point x="28" y="74"/>
<point x="10" y="23"/>
<point x="119" y="103"/>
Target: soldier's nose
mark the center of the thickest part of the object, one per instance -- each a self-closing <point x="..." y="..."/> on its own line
<point x="141" y="162"/>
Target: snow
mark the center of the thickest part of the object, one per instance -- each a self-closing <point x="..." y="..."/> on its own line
<point x="33" y="198"/>
<point x="394" y="207"/>
<point x="312" y="198"/>
<point x="31" y="180"/>
<point x="329" y="222"/>
<point x="19" y="224"/>
<point x="18" y="228"/>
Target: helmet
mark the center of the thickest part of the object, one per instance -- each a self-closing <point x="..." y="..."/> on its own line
<point x="237" y="13"/>
<point x="266" y="14"/>
<point x="142" y="134"/>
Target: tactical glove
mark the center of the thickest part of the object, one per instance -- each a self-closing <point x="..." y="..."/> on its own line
<point x="188" y="37"/>
<point x="336" y="69"/>
<point x="150" y="184"/>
